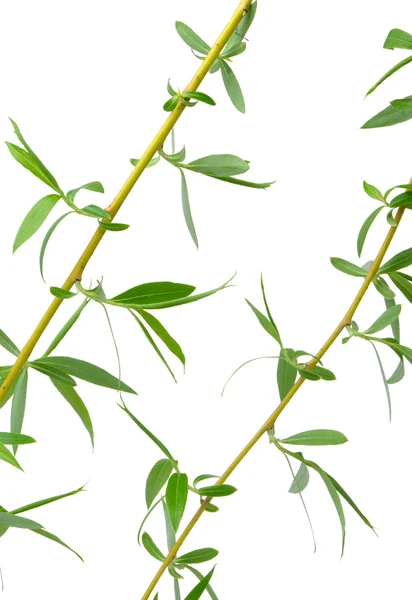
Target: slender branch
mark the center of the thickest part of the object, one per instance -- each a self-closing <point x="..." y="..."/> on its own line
<point x="113" y="208"/>
<point x="269" y="423"/>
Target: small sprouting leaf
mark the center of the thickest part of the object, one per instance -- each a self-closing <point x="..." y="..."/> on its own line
<point x="211" y="508"/>
<point x="171" y="104"/>
<point x="217" y="491"/>
<point x="365" y="229"/>
<point x="317" y="437"/>
<point x="267" y="325"/>
<point x="8" y="344"/>
<point x="200" y="97"/>
<point x="31" y="163"/>
<point x="198" y="590"/>
<point x="397" y="38"/>
<point x="300" y="480"/>
<point x="151" y="547"/>
<point x="191" y="38"/>
<point x="323" y="373"/>
<point x="403" y="284"/>
<point x="54" y="373"/>
<point x="93" y="186"/>
<point x="157" y="478"/>
<point x="197" y="556"/>
<point x="234" y="51"/>
<point x="176" y="498"/>
<point x="310" y="375"/>
<point x="47" y="238"/>
<point x="347" y="267"/>
<point x="11" y="520"/>
<point x="153" y="293"/>
<point x="387" y="318"/>
<point x="200" y="478"/>
<point x="35" y="219"/>
<point x="389" y="116"/>
<point x="399" y="261"/>
<point x="199" y="576"/>
<point x="286" y="372"/>
<point x="8" y="457"/>
<point x="187" y="211"/>
<point x="152" y="162"/>
<point x="170" y="89"/>
<point x="95" y="211"/>
<point x="149" y="434"/>
<point x="18" y="408"/>
<point x="232" y="86"/>
<point x="373" y="192"/>
<point x="113" y="226"/>
<point x="385" y="383"/>
<point x="382" y="287"/>
<point x="164" y="335"/>
<point x="11" y="439"/>
<point x="394" y="69"/>
<point x="54" y="538"/>
<point x="62" y="293"/>
<point x="219" y="165"/>
<point x="77" y="404"/>
<point x="175" y="157"/>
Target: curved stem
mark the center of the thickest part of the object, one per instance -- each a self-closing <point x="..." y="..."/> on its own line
<point x="269" y="423"/>
<point x="113" y="208"/>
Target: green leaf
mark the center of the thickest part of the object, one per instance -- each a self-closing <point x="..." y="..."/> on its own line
<point x="365" y="229"/>
<point x="347" y="267"/>
<point x="175" y="156"/>
<point x="242" y="28"/>
<point x="171" y="104"/>
<point x="217" y="491"/>
<point x="242" y="182"/>
<point x="198" y="590"/>
<point x="35" y="219"/>
<point x="149" y="512"/>
<point x="10" y="438"/>
<point x="403" y="284"/>
<point x="151" y="547"/>
<point x="164" y="335"/>
<point x="310" y="375"/>
<point x="152" y="162"/>
<point x="47" y="238"/>
<point x="176" y="498"/>
<point x="324" y="373"/>
<point x="385" y="383"/>
<point x="77" y="404"/>
<point x="199" y="576"/>
<point x="404" y="199"/>
<point x="157" y="478"/>
<point x="197" y="556"/>
<point x="200" y="478"/>
<point x="394" y="69"/>
<point x="84" y="370"/>
<point x="8" y="457"/>
<point x="395" y="326"/>
<point x="187" y="211"/>
<point x="29" y="162"/>
<point x="95" y="211"/>
<point x="382" y="287"/>
<point x="54" y="373"/>
<point x="11" y="520"/>
<point x="18" y="409"/>
<point x="398" y="374"/>
<point x="62" y="293"/>
<point x="267" y="325"/>
<point x="399" y="261"/>
<point x="317" y="437"/>
<point x="300" y="480"/>
<point x="54" y="538"/>
<point x="243" y="365"/>
<point x="154" y="293"/>
<point x="397" y="38"/>
<point x="402" y="104"/>
<point x="373" y="192"/>
<point x="388" y="117"/>
<point x="286" y="372"/>
<point x="200" y="97"/>
<point x="234" y="51"/>
<point x="66" y="328"/>
<point x="218" y="165"/>
<point x="387" y="318"/>
<point x="233" y="88"/>
<point x="46" y="501"/>
<point x="8" y="344"/>
<point x="113" y="226"/>
<point x="149" y="434"/>
<point x="170" y="532"/>
<point x="93" y="186"/>
<point x="191" y="38"/>
<point x="262" y="287"/>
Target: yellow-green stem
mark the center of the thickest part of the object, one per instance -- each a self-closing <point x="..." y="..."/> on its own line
<point x="114" y="207"/>
<point x="269" y="423"/>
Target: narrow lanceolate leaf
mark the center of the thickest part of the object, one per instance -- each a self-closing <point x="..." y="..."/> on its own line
<point x="54" y="538"/>
<point x="397" y="38"/>
<point x="200" y="97"/>
<point x="349" y="500"/>
<point x="149" y="434"/>
<point x="93" y="186"/>
<point x="403" y="284"/>
<point x="395" y="326"/>
<point x="153" y="293"/>
<point x="382" y="287"/>
<point x="8" y="344"/>
<point x="157" y="478"/>
<point x="262" y="287"/>
<point x="218" y="165"/>
<point x="73" y="398"/>
<point x="187" y="211"/>
<point x="242" y="28"/>
<point x="324" y="374"/>
<point x="387" y="117"/>
<point x="10" y="439"/>
<point x="54" y="373"/>
<point x="151" y="547"/>
<point x="164" y="335"/>
<point x="8" y="457"/>
<point x="191" y="38"/>
<point x="198" y="590"/>
<point x="46" y="501"/>
<point x="152" y="162"/>
<point x="147" y="515"/>
<point x="18" y="407"/>
<point x="35" y="219"/>
<point x="197" y="556"/>
<point x="28" y="161"/>
<point x="387" y="318"/>
<point x="92" y="210"/>
<point x="347" y="267"/>
<point x="300" y="480"/>
<point x="242" y="182"/>
<point x="11" y="520"/>
<point x="286" y="372"/>
<point x="404" y="199"/>
<point x="176" y="498"/>
<point x="114" y="226"/>
<point x="267" y="325"/>
<point x="234" y="51"/>
<point x="170" y="532"/>
<point x="232" y="86"/>
<point x="217" y="491"/>
<point x="62" y="293"/>
<point x="199" y="576"/>
<point x="66" y="328"/>
<point x="365" y="229"/>
<point x="385" y="383"/>
<point x="82" y="369"/>
<point x="399" y="261"/>
<point x="47" y="239"/>
<point x="394" y="69"/>
<point x="373" y="192"/>
<point x="316" y="437"/>
<point x="200" y="478"/>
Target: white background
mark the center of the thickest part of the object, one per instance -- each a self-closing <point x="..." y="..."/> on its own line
<point x="86" y="82"/>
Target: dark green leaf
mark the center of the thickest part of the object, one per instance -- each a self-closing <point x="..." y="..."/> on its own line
<point x="394" y="69"/>
<point x="197" y="556"/>
<point x="365" y="229"/>
<point x="198" y="590"/>
<point x="324" y="373"/>
<point x="176" y="498"/>
<point x="262" y="287"/>
<point x="317" y="437"/>
<point x="399" y="261"/>
<point x="267" y="325"/>
<point x="18" y="408"/>
<point x="348" y="267"/>
<point x="47" y="238"/>
<point x="187" y="211"/>
<point x="286" y="372"/>
<point x="217" y="491"/>
<point x="191" y="38"/>
<point x="62" y="293"/>
<point x="8" y="344"/>
<point x="232" y="86"/>
<point x="389" y="116"/>
<point x="397" y="38"/>
<point x="35" y="219"/>
<point x="373" y="191"/>
<point x="46" y="501"/>
<point x="151" y="547"/>
<point x="154" y="293"/>
<point x="199" y="575"/>
<point x="93" y="186"/>
<point x="113" y="226"/>
<point x="164" y="335"/>
<point x="200" y="97"/>
<point x="218" y="165"/>
<point x="387" y="318"/>
<point x="404" y="199"/>
<point x="54" y="538"/>
<point x="398" y="374"/>
<point x="154" y="439"/>
<point x="157" y="478"/>
<point x="73" y="398"/>
<point x="95" y="211"/>
<point x="310" y="375"/>
<point x="300" y="480"/>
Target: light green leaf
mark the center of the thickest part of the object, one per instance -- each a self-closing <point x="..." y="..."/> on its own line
<point x="164" y="335"/>
<point x="114" y="226"/>
<point x="365" y="229"/>
<point x="399" y="261"/>
<point x="73" y="398"/>
<point x="217" y="491"/>
<point x="157" y="478"/>
<point x="286" y="372"/>
<point x="8" y="457"/>
<point x="29" y="162"/>
<point x="10" y="438"/>
<point x="200" y="478"/>
<point x="54" y="373"/>
<point x="262" y="287"/>
<point x="267" y="325"/>
<point x="300" y="480"/>
<point x="232" y="86"/>
<point x="187" y="211"/>
<point x="197" y="556"/>
<point x="18" y="408"/>
<point x="35" y="219"/>
<point x="93" y="186"/>
<point x="191" y="38"/>
<point x="175" y="156"/>
<point x="54" y="538"/>
<point x="382" y="287"/>
<point x="176" y="498"/>
<point x="395" y="326"/>
<point x="154" y="293"/>
<point x="323" y="373"/>
<point x="152" y="162"/>
<point x="242" y="182"/>
<point x="243" y="27"/>
<point x="233" y="51"/>
<point x="385" y="383"/>
<point x="62" y="293"/>
<point x="200" y="97"/>
<point x="387" y="318"/>
<point x="347" y="267"/>
<point x="151" y="547"/>
<point x="403" y="284"/>
<point x="171" y="104"/>
<point x="145" y="430"/>
<point x="198" y="590"/>
<point x="394" y="69"/>
<point x="243" y="365"/>
<point x="8" y="344"/>
<point x="47" y="238"/>
<point x="317" y="437"/>
<point x="218" y="165"/>
<point x="66" y="328"/>
<point x="147" y="515"/>
<point x="92" y="210"/>
<point x="46" y="501"/>
<point x="11" y="520"/>
<point x="373" y="192"/>
<point x="388" y="117"/>
<point x="397" y="38"/>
